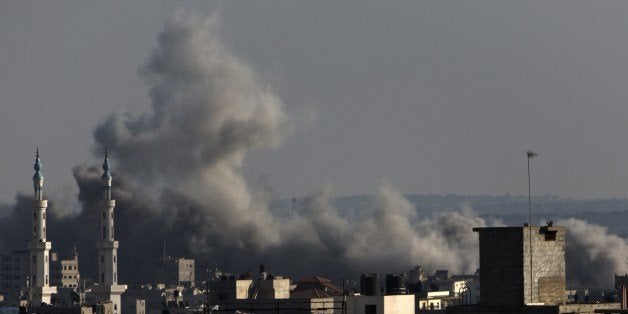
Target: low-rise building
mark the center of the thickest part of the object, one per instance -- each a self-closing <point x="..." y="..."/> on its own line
<point x="13" y="275"/>
<point x="64" y="273"/>
<point x="175" y="271"/>
<point x="434" y="300"/>
<point x="386" y="304"/>
<point x="315" y="287"/>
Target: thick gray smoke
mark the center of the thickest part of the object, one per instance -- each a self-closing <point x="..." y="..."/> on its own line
<point x="181" y="164"/>
<point x="207" y="110"/>
<point x="391" y="238"/>
<point x="593" y="254"/>
<point x="177" y="176"/>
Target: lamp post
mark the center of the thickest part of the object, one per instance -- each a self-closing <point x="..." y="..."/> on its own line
<point x="530" y="155"/>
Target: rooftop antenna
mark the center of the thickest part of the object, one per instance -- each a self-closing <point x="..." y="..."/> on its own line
<point x="530" y="155"/>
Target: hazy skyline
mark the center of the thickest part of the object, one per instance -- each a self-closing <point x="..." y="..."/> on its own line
<point x="435" y="97"/>
<point x="210" y="113"/>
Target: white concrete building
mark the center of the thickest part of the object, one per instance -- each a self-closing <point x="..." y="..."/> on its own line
<point x="385" y="304"/>
<point x="435" y="300"/>
<point x="108" y="288"/>
<point x="70" y="275"/>
<point x="38" y="247"/>
<point x="64" y="273"/>
<point x="230" y="289"/>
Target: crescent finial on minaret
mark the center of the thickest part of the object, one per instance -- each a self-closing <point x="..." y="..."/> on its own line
<point x="105" y="166"/>
<point x="37" y="166"/>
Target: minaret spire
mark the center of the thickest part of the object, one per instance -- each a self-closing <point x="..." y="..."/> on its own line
<point x="38" y="247"/>
<point x="38" y="178"/>
<point x="106" y="178"/>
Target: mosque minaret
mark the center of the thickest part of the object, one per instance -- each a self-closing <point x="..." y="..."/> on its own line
<point x="108" y="288"/>
<point x="38" y="248"/>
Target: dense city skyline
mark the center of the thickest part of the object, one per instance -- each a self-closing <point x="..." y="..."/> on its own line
<point x="220" y="136"/>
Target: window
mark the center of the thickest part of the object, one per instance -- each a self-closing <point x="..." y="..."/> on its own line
<point x="104" y="216"/>
<point x="114" y="258"/>
<point x="44" y="216"/>
<point x="102" y="277"/>
<point x="550" y="236"/>
<point x="370" y="309"/>
<point x="102" y="259"/>
<point x="112" y="232"/>
<point x="34" y="259"/>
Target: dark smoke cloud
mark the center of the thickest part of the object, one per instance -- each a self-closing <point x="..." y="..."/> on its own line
<point x="177" y="176"/>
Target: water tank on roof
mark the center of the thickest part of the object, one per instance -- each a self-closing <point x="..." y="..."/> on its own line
<point x="395" y="284"/>
<point x="369" y="284"/>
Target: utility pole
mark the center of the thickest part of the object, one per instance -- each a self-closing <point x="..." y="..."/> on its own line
<point x="207" y="309"/>
<point x="530" y="155"/>
<point x="344" y="297"/>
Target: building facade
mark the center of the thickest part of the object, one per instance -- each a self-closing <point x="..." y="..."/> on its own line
<point x="513" y="273"/>
<point x="175" y="271"/>
<point x="14" y="273"/>
<point x="69" y="269"/>
<point x="64" y="273"/>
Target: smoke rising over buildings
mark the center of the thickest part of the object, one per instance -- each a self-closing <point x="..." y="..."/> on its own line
<point x="177" y="176"/>
<point x="591" y="251"/>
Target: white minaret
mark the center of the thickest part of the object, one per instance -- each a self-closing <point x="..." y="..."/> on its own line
<point x="107" y="288"/>
<point x="38" y="247"/>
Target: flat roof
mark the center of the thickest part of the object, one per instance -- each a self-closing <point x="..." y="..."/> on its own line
<point x="547" y="228"/>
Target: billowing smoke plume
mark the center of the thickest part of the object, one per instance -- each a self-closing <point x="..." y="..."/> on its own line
<point x="177" y="177"/>
<point x="392" y="238"/>
<point x="593" y="254"/>
<point x="207" y="110"/>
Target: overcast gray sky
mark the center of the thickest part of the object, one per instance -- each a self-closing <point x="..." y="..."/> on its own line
<point x="434" y="96"/>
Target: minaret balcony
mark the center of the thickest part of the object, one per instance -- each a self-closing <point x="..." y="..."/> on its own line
<point x="107" y="244"/>
<point x="37" y="245"/>
<point x="40" y="204"/>
<point x="108" y="203"/>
